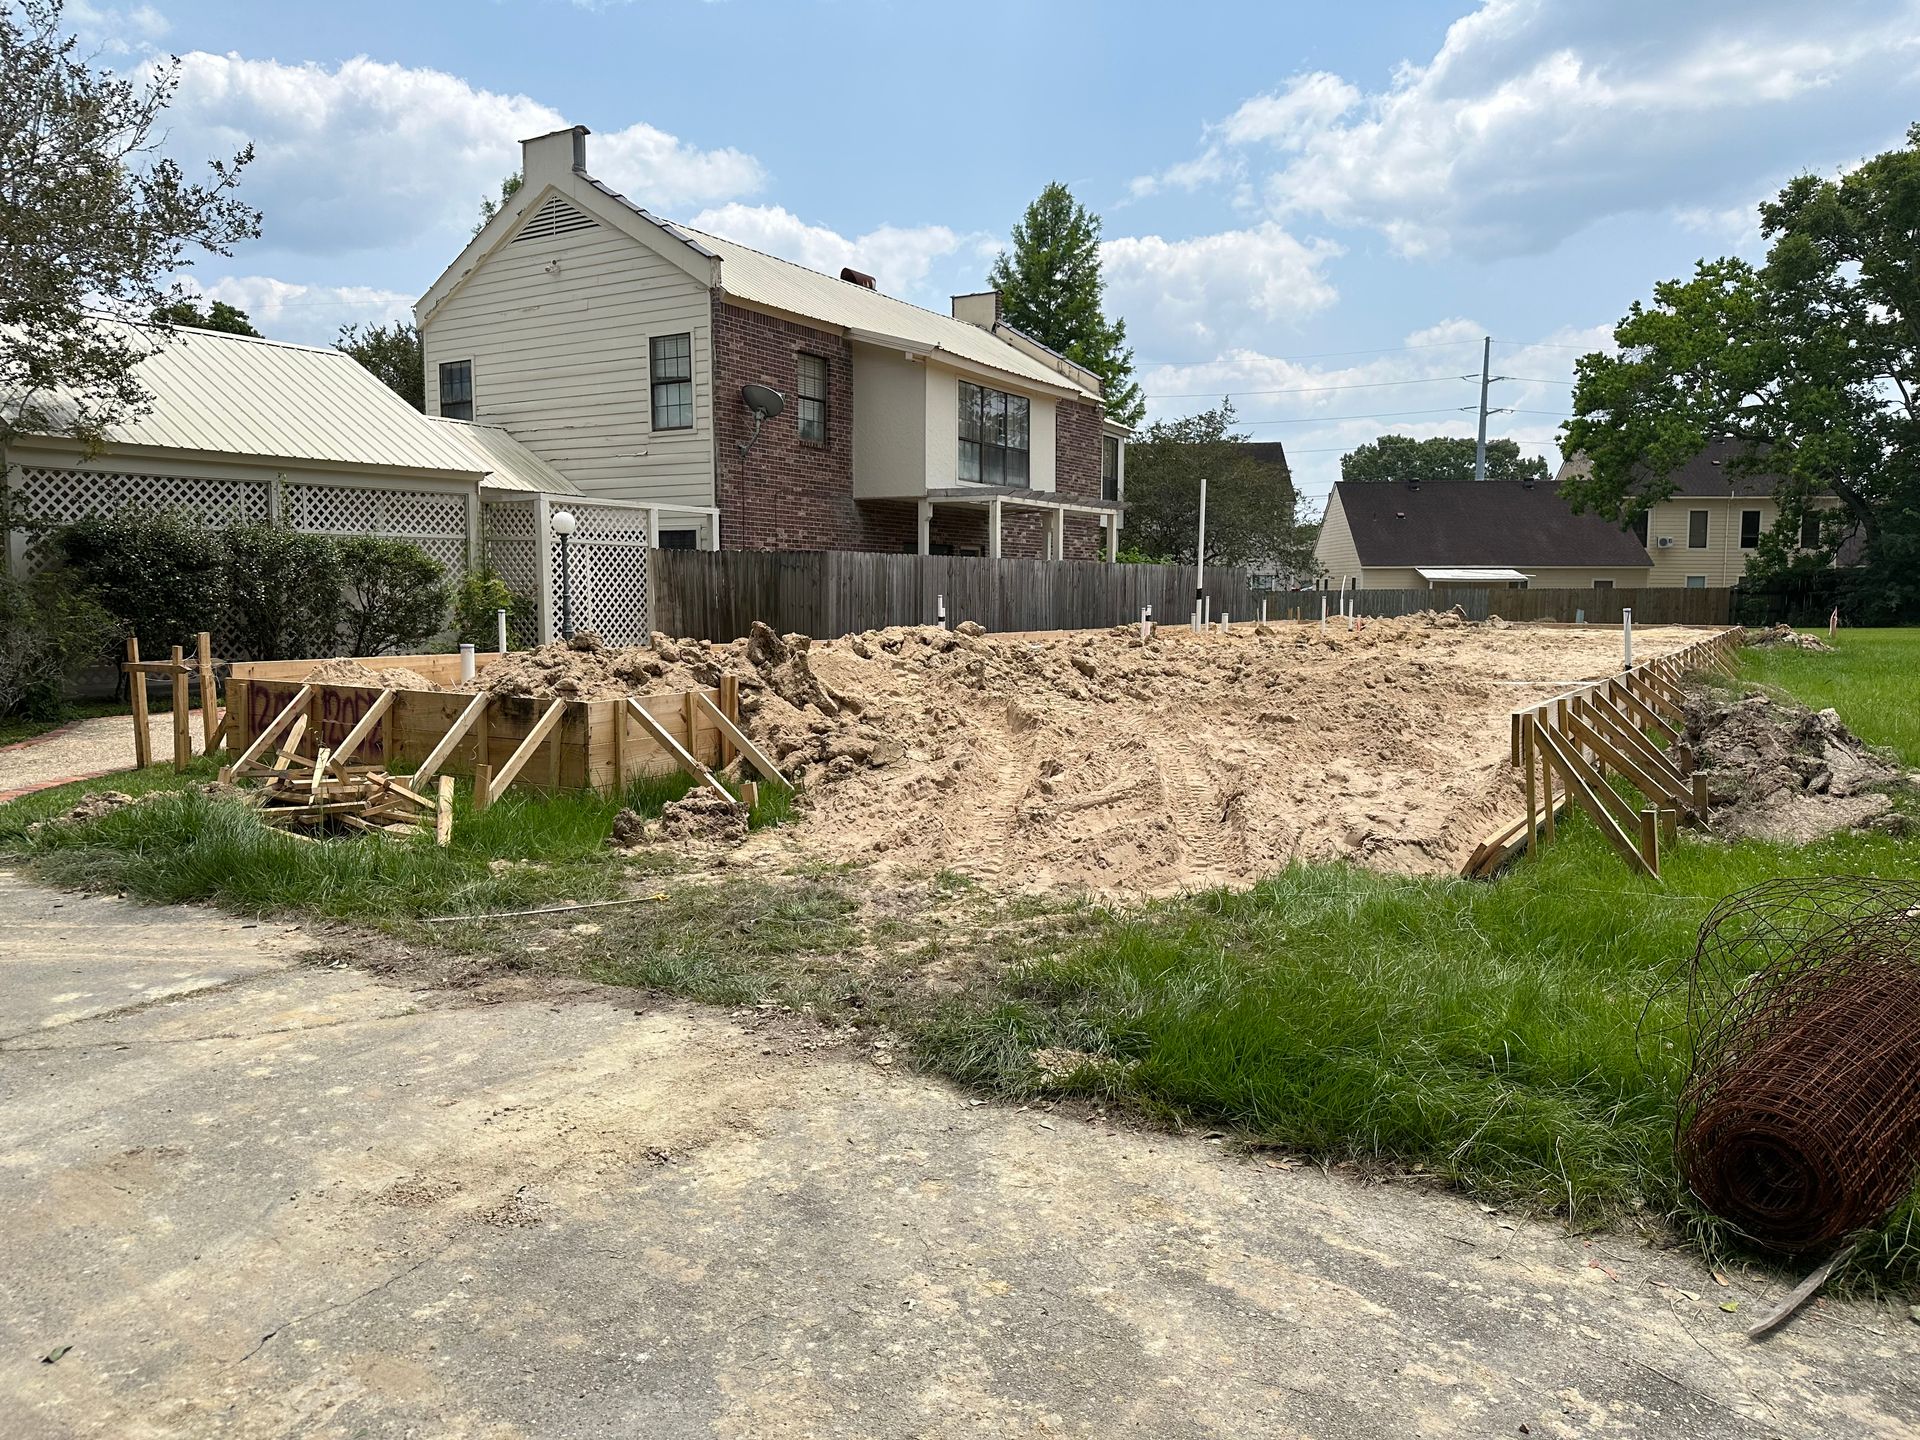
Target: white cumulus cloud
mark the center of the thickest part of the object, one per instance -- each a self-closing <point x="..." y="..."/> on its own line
<point x="1536" y="118"/>
<point x="901" y="258"/>
<point x="1213" y="290"/>
<point x="306" y="314"/>
<point x="368" y="155"/>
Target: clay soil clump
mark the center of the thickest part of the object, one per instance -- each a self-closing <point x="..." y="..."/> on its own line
<point x="351" y="672"/>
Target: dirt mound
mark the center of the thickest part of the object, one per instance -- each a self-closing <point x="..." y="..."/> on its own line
<point x="1776" y="770"/>
<point x="100" y="802"/>
<point x="702" y="817"/>
<point x="1785" y="636"/>
<point x="343" y="671"/>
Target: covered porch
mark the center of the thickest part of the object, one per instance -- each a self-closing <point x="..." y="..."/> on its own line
<point x="994" y="502"/>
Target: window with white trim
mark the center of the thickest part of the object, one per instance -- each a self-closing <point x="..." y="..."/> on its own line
<point x="1696" y="529"/>
<point x="1696" y="582"/>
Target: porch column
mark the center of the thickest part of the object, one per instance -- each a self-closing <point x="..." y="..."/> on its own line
<point x="925" y="528"/>
<point x="993" y="528"/>
<point x="1113" y="538"/>
<point x="1059" y="534"/>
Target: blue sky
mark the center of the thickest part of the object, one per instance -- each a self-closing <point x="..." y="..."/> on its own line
<point x="1316" y="209"/>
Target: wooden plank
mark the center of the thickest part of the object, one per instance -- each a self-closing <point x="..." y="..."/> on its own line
<point x="1649" y="718"/>
<point x="1533" y="799"/>
<point x="542" y="727"/>
<point x="475" y="710"/>
<point x="674" y="748"/>
<point x="1652" y="786"/>
<point x="1615" y="722"/>
<point x="287" y="751"/>
<point x="320" y="760"/>
<point x="729" y="711"/>
<point x="740" y="741"/>
<point x="286" y="717"/>
<point x="482" y="787"/>
<point x="137" y="693"/>
<point x="443" y="813"/>
<point x="1583" y="784"/>
<point x="210" y="719"/>
<point x="182" y="733"/>
<point x="363" y="727"/>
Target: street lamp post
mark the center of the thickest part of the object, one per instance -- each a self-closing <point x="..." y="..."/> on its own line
<point x="563" y="526"/>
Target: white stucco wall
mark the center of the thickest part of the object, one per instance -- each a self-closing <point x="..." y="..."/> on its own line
<point x="889" y="424"/>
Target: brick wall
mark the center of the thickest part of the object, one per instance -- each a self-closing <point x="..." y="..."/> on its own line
<point x="1077" y="432"/>
<point x="787" y="494"/>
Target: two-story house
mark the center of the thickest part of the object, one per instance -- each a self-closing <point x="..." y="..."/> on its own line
<point x="617" y="346"/>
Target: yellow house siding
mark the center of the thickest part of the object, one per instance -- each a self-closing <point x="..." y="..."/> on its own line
<point x="1335" y="549"/>
<point x="1721" y="560"/>
<point x="889" y="424"/>
<point x="557" y="329"/>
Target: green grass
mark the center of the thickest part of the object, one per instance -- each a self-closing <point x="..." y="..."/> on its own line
<point x="1871" y="681"/>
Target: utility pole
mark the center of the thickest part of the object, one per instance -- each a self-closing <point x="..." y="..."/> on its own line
<point x="1486" y="379"/>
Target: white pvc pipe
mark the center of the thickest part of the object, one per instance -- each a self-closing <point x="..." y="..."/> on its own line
<point x="1626" y="636"/>
<point x="466" y="662"/>
<point x="500" y="619"/>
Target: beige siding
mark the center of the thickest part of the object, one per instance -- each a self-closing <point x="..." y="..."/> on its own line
<point x="1722" y="560"/>
<point x="1334" y="549"/>
<point x="889" y="424"/>
<point x="560" y="360"/>
<point x="943" y="427"/>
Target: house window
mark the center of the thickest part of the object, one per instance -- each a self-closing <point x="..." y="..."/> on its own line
<point x="994" y="430"/>
<point x="679" y="540"/>
<point x="1603" y="584"/>
<point x="1109" y="467"/>
<point x="1810" y="530"/>
<point x="811" y="406"/>
<point x="670" y="365"/>
<point x="1696" y="529"/>
<point x="1749" y="529"/>
<point x="1696" y="582"/>
<point x="456" y="389"/>
<point x="1640" y="527"/>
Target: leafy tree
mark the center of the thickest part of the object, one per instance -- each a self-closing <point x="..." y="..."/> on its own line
<point x="54" y="629"/>
<point x="283" y="591"/>
<point x="490" y="207"/>
<point x="91" y="217"/>
<point x="1252" y="510"/>
<point x="1051" y="289"/>
<point x="395" y="594"/>
<point x="1811" y="358"/>
<point x="185" y="314"/>
<point x="393" y="353"/>
<point x="1403" y="458"/>
<point x="158" y="573"/>
<point x="477" y="601"/>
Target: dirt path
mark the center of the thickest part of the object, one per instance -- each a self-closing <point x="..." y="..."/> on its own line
<point x="261" y="1198"/>
<point x="83" y="750"/>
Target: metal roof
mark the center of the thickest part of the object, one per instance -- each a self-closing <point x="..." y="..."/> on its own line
<point x="508" y="464"/>
<point x="265" y="399"/>
<point x="1470" y="573"/>
<point x="760" y="279"/>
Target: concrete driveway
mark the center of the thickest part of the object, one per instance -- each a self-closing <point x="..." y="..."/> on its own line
<point x="259" y="1198"/>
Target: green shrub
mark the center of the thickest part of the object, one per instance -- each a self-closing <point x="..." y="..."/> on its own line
<point x="53" y="630"/>
<point x="480" y="595"/>
<point x="158" y="573"/>
<point x="394" y="594"/>
<point x="283" y="591"/>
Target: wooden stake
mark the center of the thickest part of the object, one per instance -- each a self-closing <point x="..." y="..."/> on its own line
<point x="482" y="787"/>
<point x="137" y="692"/>
<point x="1526" y="762"/>
<point x="731" y="732"/>
<point x="730" y="707"/>
<point x="443" y="814"/>
<point x="182" y="733"/>
<point x="210" y="717"/>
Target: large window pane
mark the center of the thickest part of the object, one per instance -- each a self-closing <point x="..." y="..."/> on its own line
<point x="456" y="389"/>
<point x="670" y="362"/>
<point x="969" y="459"/>
<point x="995" y="435"/>
<point x="810" y="406"/>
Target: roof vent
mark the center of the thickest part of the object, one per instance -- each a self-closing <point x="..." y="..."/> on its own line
<point x="857" y="277"/>
<point x="1526" y="482"/>
<point x="556" y="217"/>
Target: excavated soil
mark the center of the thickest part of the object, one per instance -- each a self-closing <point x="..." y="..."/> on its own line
<point x="1776" y="770"/>
<point x="351" y="672"/>
<point x="1091" y="761"/>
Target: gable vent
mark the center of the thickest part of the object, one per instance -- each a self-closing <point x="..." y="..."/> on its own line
<point x="556" y="217"/>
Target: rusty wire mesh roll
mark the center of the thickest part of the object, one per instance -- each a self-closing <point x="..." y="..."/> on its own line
<point x="1800" y="1119"/>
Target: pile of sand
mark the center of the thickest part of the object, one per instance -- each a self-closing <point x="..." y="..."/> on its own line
<point x="343" y="671"/>
<point x="1785" y="636"/>
<point x="1776" y="770"/>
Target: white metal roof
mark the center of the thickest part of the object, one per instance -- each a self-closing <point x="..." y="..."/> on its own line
<point x="747" y="274"/>
<point x="264" y="399"/>
<point x="1470" y="573"/>
<point x="508" y="464"/>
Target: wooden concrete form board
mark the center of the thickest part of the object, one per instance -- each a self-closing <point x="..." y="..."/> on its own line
<point x="595" y="740"/>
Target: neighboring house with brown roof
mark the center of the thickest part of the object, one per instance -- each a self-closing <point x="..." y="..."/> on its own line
<point x="615" y="345"/>
<point x="1500" y="533"/>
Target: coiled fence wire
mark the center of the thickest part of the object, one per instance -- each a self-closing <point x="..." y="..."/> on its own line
<point x="1800" y="1119"/>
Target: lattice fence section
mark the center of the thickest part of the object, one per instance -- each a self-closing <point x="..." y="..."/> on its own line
<point x="436" y="522"/>
<point x="508" y="534"/>
<point x="609" y="565"/>
<point x="58" y="496"/>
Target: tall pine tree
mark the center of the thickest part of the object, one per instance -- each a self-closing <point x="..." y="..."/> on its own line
<point x="1051" y="288"/>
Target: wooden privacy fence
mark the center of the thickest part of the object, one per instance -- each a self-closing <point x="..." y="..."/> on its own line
<point x="1630" y="726"/>
<point x="543" y="743"/>
<point x="718" y="594"/>
<point x="1651" y="605"/>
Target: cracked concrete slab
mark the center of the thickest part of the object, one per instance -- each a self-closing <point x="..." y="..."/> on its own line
<point x="259" y="1199"/>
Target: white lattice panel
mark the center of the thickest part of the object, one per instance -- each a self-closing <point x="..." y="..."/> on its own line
<point x="509" y="534"/>
<point x="609" y="563"/>
<point x="436" y="522"/>
<point x="58" y="496"/>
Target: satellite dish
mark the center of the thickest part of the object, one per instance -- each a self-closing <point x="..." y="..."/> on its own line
<point x="765" y="402"/>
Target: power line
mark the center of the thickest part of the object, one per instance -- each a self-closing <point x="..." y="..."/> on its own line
<point x="1229" y="392"/>
<point x="1314" y="355"/>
